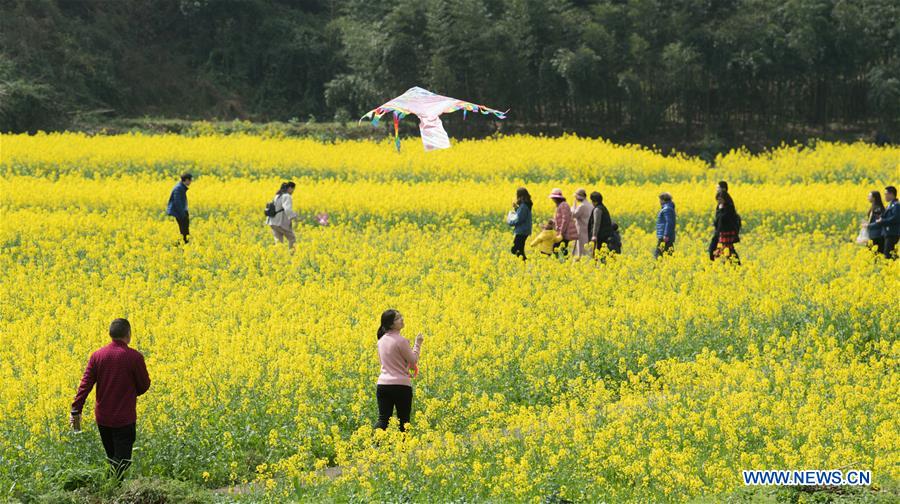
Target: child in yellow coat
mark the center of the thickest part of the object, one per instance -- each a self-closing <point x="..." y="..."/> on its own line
<point x="547" y="239"/>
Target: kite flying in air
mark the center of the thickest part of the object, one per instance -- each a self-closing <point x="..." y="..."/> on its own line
<point x="428" y="107"/>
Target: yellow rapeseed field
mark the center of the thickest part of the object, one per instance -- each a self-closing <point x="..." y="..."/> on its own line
<point x="633" y="380"/>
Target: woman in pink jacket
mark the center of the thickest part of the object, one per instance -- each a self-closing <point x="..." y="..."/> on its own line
<point x="565" y="224"/>
<point x="394" y="387"/>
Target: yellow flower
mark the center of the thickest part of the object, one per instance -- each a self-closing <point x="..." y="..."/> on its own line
<point x="634" y="379"/>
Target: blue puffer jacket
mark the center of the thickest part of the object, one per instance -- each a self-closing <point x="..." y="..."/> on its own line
<point x="890" y="222"/>
<point x="665" y="222"/>
<point x="177" y="206"/>
<point x="522" y="224"/>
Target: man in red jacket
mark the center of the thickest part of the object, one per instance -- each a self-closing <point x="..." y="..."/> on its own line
<point x="120" y="375"/>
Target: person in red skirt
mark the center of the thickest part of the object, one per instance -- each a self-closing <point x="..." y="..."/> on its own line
<point x="728" y="227"/>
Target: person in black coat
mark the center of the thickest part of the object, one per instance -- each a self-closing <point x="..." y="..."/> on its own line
<point x="600" y="227"/>
<point x="727" y="228"/>
<point x="721" y="188"/>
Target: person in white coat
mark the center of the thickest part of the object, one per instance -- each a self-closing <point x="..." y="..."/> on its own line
<point x="582" y="213"/>
<point x="282" y="223"/>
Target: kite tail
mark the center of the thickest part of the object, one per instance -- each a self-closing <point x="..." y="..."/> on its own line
<point x="397" y="130"/>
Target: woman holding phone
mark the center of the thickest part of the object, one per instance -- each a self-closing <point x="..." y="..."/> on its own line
<point x="394" y="388"/>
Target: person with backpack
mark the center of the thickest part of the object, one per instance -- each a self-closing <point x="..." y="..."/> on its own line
<point x="120" y="374"/>
<point x="665" y="226"/>
<point x="521" y="222"/>
<point x="394" y="387"/>
<point x="178" y="207"/>
<point x="727" y="228"/>
<point x="599" y="224"/>
<point x="889" y="223"/>
<point x="280" y="215"/>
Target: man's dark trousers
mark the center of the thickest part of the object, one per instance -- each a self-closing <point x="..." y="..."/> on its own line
<point x="184" y="225"/>
<point x="118" y="442"/>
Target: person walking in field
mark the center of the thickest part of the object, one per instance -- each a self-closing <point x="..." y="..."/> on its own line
<point x="599" y="224"/>
<point x="721" y="188"/>
<point x="394" y="388"/>
<point x="178" y="206"/>
<point x="563" y="222"/>
<point x="889" y="223"/>
<point x="521" y="223"/>
<point x="727" y="228"/>
<point x="120" y="374"/>
<point x="547" y="239"/>
<point x="615" y="241"/>
<point x="876" y="210"/>
<point x="280" y="215"/>
<point x="581" y="214"/>
<point x="665" y="226"/>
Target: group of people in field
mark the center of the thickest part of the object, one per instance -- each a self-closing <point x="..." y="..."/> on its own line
<point x="882" y="225"/>
<point x="590" y="231"/>
<point x="120" y="374"/>
<point x="587" y="228"/>
<point x="279" y="213"/>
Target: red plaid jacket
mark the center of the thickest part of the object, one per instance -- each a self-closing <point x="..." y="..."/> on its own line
<point x="120" y="375"/>
<point x="565" y="224"/>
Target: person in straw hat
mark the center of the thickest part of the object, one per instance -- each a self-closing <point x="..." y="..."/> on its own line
<point x="565" y="224"/>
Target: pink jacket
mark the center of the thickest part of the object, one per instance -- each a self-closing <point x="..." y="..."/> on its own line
<point x="565" y="224"/>
<point x="396" y="359"/>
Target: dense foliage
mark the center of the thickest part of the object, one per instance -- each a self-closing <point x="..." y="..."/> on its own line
<point x="732" y="71"/>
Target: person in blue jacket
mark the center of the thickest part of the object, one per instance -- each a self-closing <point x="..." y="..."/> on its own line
<point x="521" y="223"/>
<point x="889" y="223"/>
<point x="665" y="226"/>
<point x="178" y="207"/>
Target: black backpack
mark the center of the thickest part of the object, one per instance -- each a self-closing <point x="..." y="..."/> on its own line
<point x="270" y="209"/>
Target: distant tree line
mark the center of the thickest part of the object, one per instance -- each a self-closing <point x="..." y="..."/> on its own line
<point x="636" y="69"/>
